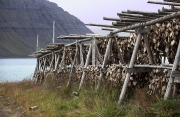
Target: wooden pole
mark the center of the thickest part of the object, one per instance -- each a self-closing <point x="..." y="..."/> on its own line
<point x="37" y="48"/>
<point x="53" y="31"/>
<point x="167" y="17"/>
<point x="35" y="71"/>
<point x="62" y="60"/>
<point x="72" y="67"/>
<point x="51" y="64"/>
<point x="104" y="62"/>
<point x="119" y="53"/>
<point x="81" y="54"/>
<point x="174" y="68"/>
<point x="146" y="42"/>
<point x="132" y="61"/>
<point x="98" y="55"/>
<point x="85" y="66"/>
<point x="93" y="51"/>
<point x="56" y="63"/>
<point x="164" y="3"/>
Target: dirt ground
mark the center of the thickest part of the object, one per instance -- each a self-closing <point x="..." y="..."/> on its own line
<point x="9" y="108"/>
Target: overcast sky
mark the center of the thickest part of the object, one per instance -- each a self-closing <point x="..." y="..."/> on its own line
<point x="93" y="11"/>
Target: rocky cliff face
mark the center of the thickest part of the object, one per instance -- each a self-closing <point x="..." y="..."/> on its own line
<point x="22" y="20"/>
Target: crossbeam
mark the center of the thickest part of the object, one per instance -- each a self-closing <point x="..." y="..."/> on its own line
<point x="138" y="25"/>
<point x="111" y="19"/>
<point x="102" y="25"/>
<point x="176" y="1"/>
<point x="164" y="3"/>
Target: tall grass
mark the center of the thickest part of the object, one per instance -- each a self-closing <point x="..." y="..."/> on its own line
<point x="55" y="100"/>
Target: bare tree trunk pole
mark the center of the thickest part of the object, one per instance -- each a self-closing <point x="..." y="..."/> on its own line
<point x="133" y="58"/>
<point x="171" y="79"/>
<point x="85" y="66"/>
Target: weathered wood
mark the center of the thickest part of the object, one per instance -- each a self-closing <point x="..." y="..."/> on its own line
<point x="53" y="31"/>
<point x="133" y="58"/>
<point x="146" y="42"/>
<point x="173" y="15"/>
<point x="171" y="79"/>
<point x="152" y="66"/>
<point x="103" y="25"/>
<point x="98" y="55"/>
<point x="119" y="52"/>
<point x="104" y="62"/>
<point x="176" y="1"/>
<point x="85" y="66"/>
<point x="141" y="12"/>
<point x="111" y="19"/>
<point x="73" y="64"/>
<point x="81" y="54"/>
<point x="44" y="64"/>
<point x="56" y="62"/>
<point x="62" y="60"/>
<point x="137" y="70"/>
<point x="173" y="73"/>
<point x="164" y="3"/>
<point x="169" y="10"/>
<point x="131" y="20"/>
<point x="51" y="64"/>
<point x="94" y="51"/>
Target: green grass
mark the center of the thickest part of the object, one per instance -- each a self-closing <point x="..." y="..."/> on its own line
<point x="53" y="101"/>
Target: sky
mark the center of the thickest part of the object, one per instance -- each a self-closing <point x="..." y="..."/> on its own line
<point x="93" y="11"/>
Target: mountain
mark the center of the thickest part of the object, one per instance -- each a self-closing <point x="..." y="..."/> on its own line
<point x="22" y="20"/>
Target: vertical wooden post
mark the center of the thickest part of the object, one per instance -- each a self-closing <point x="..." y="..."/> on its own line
<point x="81" y="54"/>
<point x="104" y="62"/>
<point x="51" y="64"/>
<point x="53" y="31"/>
<point x="174" y="90"/>
<point x="133" y="58"/>
<point x="56" y="62"/>
<point x="72" y="66"/>
<point x="146" y="42"/>
<point x="44" y="63"/>
<point x="85" y="66"/>
<point x="93" y="51"/>
<point x="62" y="60"/>
<point x="99" y="55"/>
<point x="174" y="68"/>
<point x="39" y="65"/>
<point x="35" y="71"/>
<point x="119" y="52"/>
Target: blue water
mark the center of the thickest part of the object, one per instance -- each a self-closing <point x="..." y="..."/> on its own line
<point x="16" y="69"/>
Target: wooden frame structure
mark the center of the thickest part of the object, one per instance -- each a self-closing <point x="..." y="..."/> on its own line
<point x="53" y="59"/>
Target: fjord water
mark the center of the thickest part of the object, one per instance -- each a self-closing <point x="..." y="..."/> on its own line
<point x="16" y="69"/>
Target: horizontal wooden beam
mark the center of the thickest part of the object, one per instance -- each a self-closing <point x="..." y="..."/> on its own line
<point x="163" y="12"/>
<point x="138" y="70"/>
<point x="174" y="73"/>
<point x="131" y="20"/>
<point x="111" y="19"/>
<point x="83" y="40"/>
<point x="169" y="10"/>
<point x="164" y="3"/>
<point x="137" y="18"/>
<point x="165" y="18"/>
<point x="150" y="66"/>
<point x="121" y="24"/>
<point x="176" y="1"/>
<point x="135" y="15"/>
<point x="102" y="25"/>
<point x="142" y="12"/>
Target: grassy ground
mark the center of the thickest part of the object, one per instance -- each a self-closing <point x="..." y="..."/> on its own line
<point x="55" y="100"/>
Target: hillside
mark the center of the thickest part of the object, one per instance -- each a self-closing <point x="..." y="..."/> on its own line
<point x="22" y="20"/>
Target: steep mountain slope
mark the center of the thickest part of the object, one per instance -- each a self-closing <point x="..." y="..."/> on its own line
<point x="22" y="20"/>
